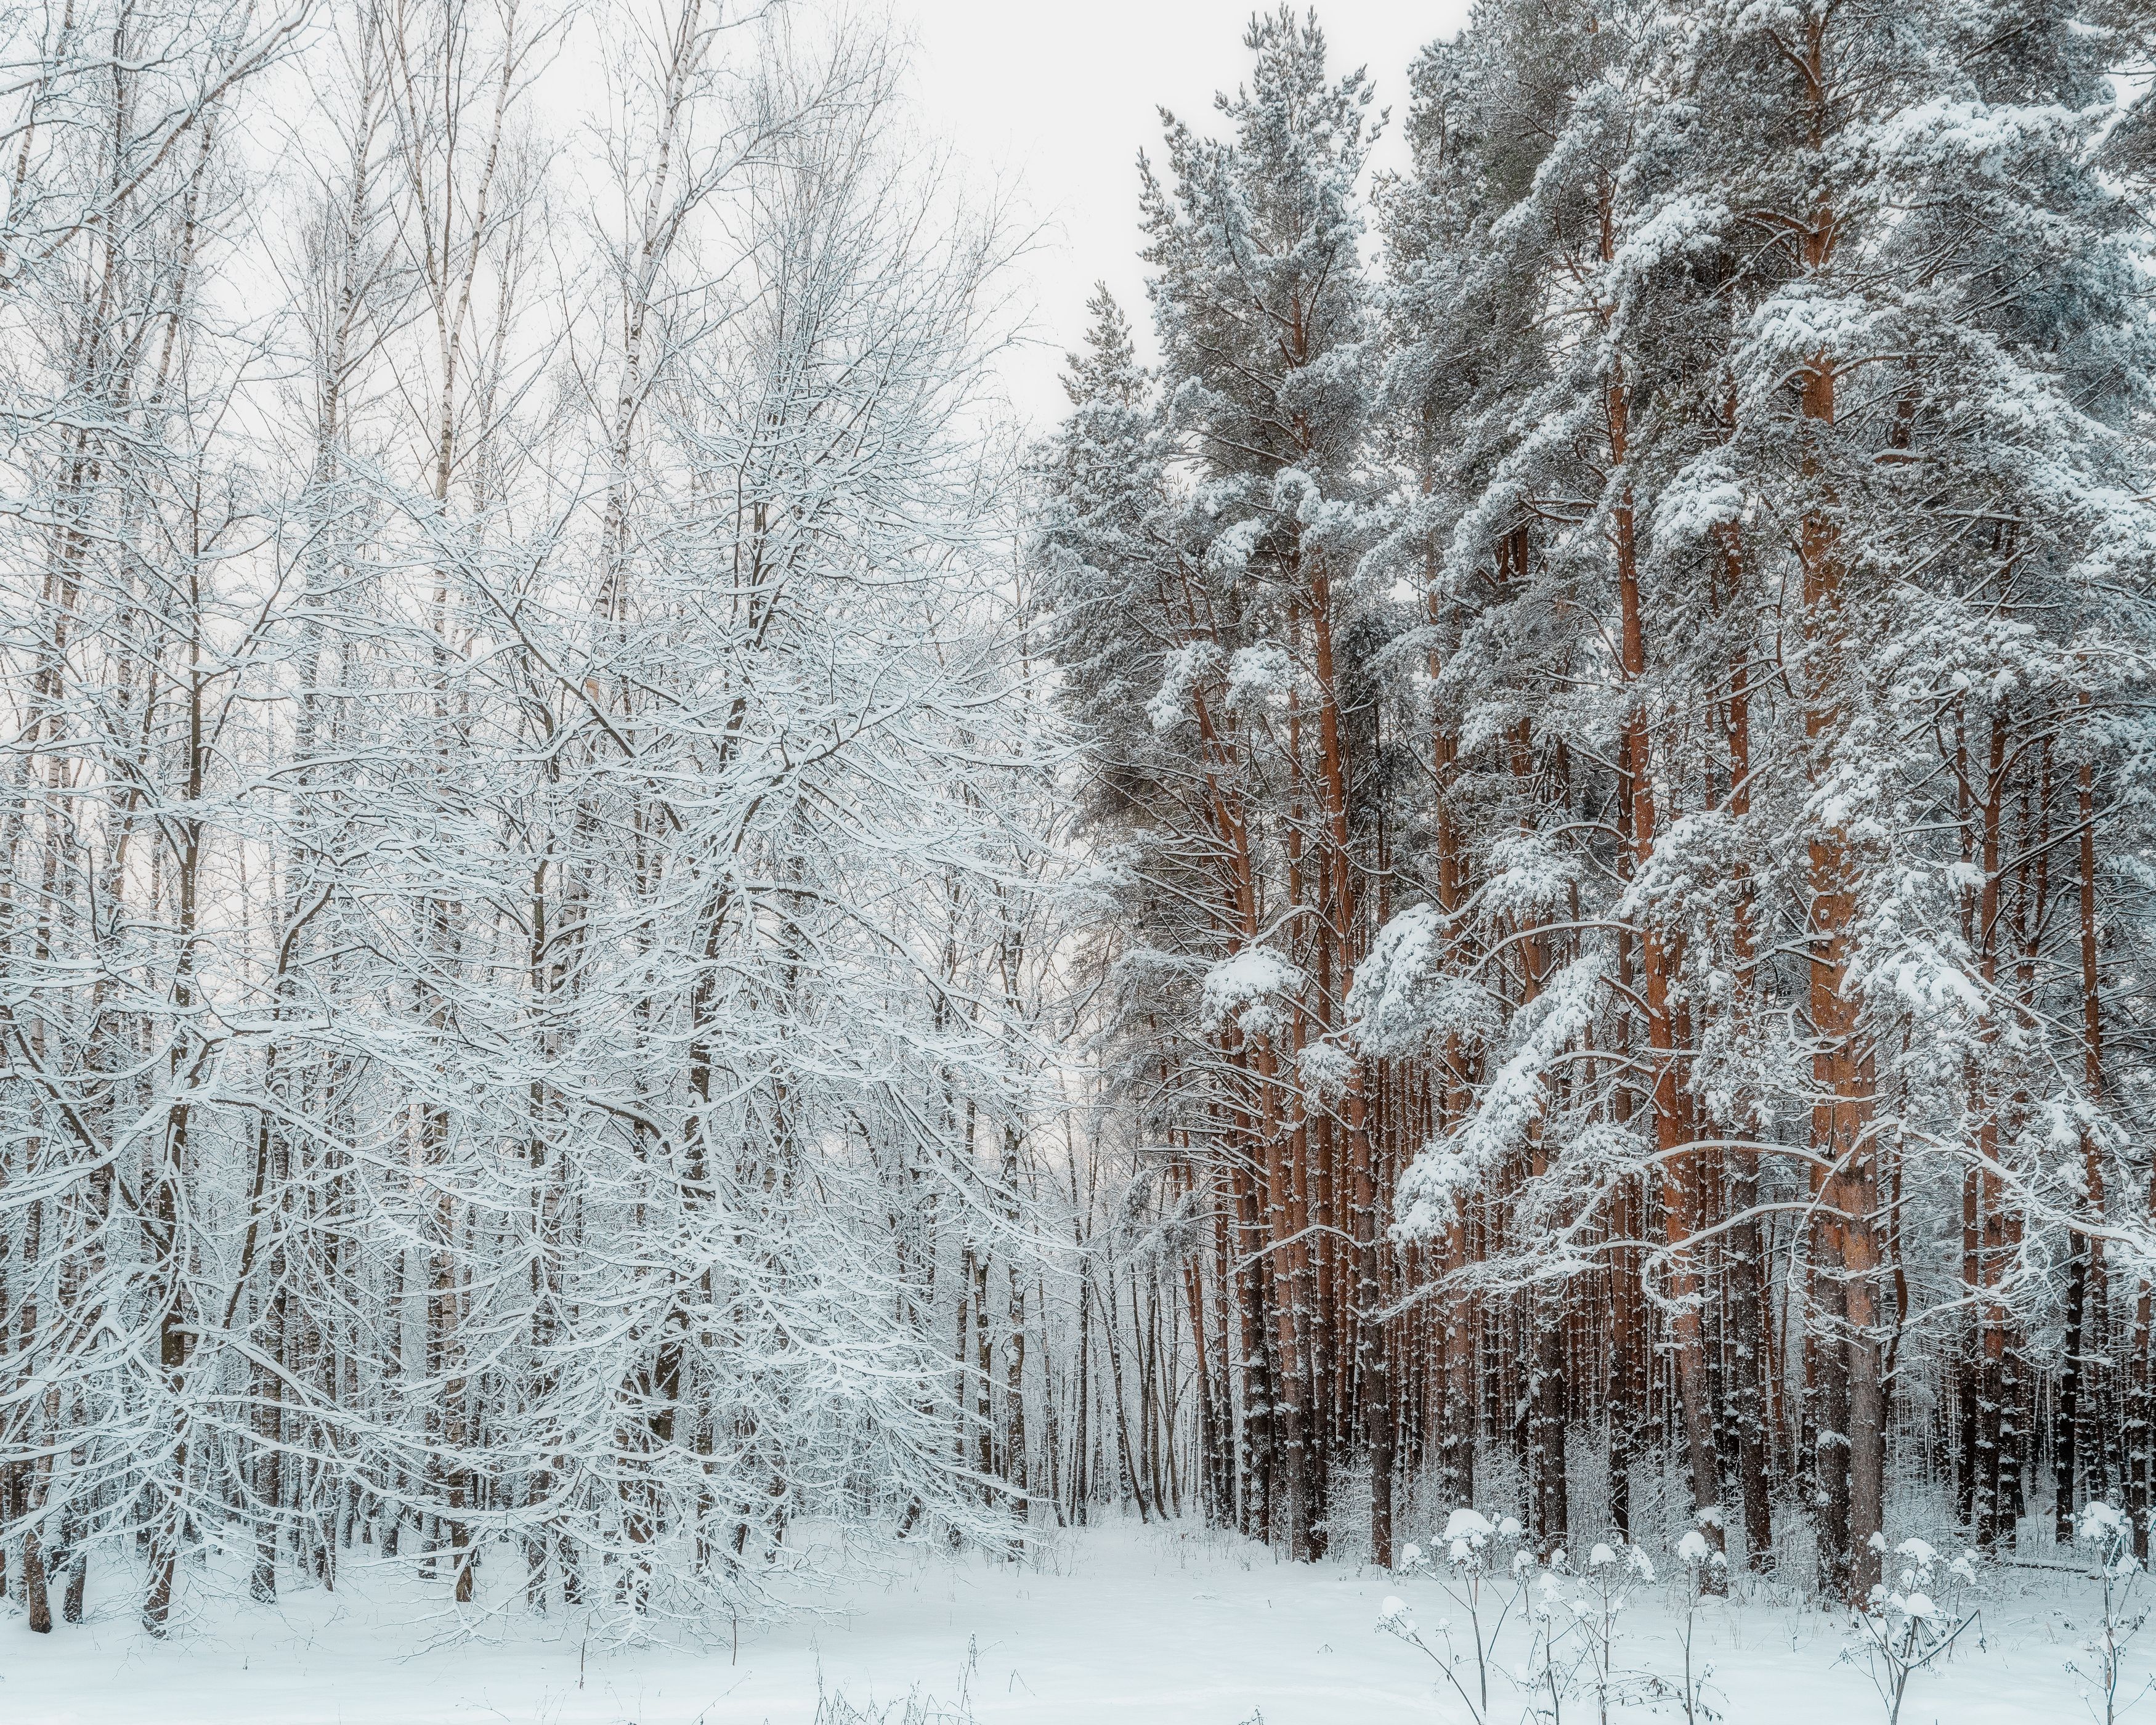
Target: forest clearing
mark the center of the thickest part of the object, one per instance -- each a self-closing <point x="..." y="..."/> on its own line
<point x="1157" y="1626"/>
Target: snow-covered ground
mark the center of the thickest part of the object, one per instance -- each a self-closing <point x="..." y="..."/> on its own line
<point x="1136" y="1626"/>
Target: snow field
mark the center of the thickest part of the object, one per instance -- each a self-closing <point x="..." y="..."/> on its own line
<point x="1139" y="1626"/>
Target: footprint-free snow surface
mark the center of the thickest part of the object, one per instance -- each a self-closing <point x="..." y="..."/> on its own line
<point x="1136" y="1626"/>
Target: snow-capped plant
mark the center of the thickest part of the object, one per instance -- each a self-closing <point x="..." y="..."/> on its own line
<point x="1613" y="1579"/>
<point x="1396" y="1620"/>
<point x="1573" y="1619"/>
<point x="1904" y="1630"/>
<point x="1480" y="1555"/>
<point x="1703" y="1564"/>
<point x="1552" y="1667"/>
<point x="2107" y="1533"/>
<point x="1957" y="1584"/>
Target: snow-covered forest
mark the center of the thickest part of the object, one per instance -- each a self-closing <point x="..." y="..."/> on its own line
<point x="652" y="956"/>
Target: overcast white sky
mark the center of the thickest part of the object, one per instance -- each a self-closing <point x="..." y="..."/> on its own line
<point x="1060" y="96"/>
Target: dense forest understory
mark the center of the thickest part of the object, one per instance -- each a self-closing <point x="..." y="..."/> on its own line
<point x="1523" y="866"/>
